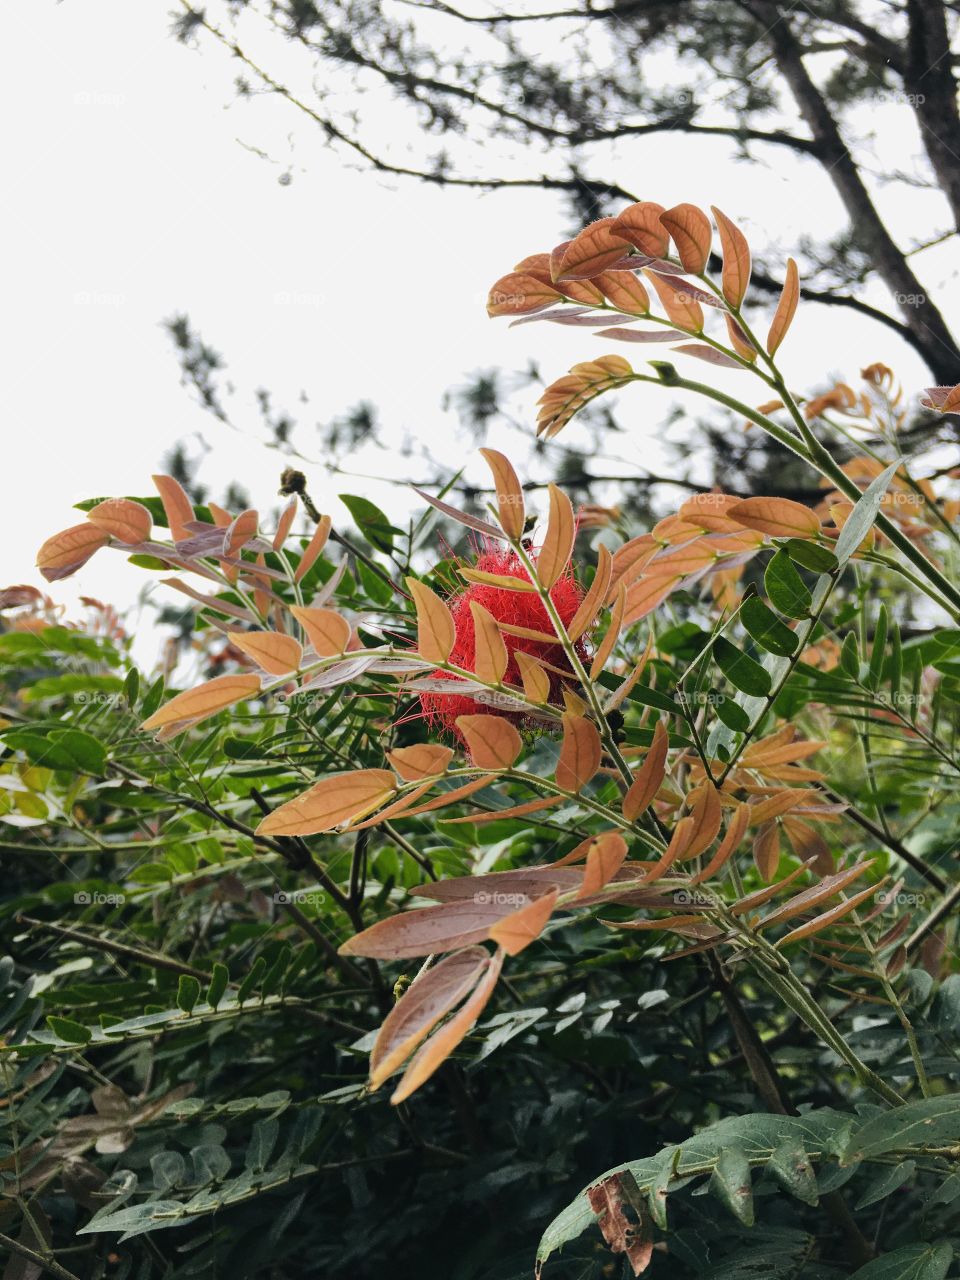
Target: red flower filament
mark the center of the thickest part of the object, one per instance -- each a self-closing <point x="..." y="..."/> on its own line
<point x="517" y="609"/>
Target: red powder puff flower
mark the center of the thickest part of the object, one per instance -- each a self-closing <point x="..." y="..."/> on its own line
<point x="518" y="609"/>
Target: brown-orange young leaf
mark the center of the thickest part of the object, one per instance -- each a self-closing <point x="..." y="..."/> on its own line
<point x="330" y="803"/>
<point x="205" y="700"/>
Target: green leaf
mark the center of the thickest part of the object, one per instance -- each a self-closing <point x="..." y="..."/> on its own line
<point x="889" y="1181"/>
<point x="188" y="992"/>
<point x="71" y="750"/>
<point x="791" y="1167"/>
<point x="252" y="979"/>
<point x="263" y="1139"/>
<point x="864" y="514"/>
<point x="766" y="628"/>
<point x="811" y="556"/>
<point x="136" y="1219"/>
<point x="785" y="588"/>
<point x="371" y="521"/>
<point x="731" y="1183"/>
<point x="850" y="656"/>
<point x="380" y="592"/>
<point x="926" y="1123"/>
<point x="131" y="686"/>
<point x="218" y="984"/>
<point x="743" y="672"/>
<point x="169" y="1169"/>
<point x="732" y="715"/>
<point x="912" y="1262"/>
<point x="153" y="698"/>
<point x="896" y="663"/>
<point x="67" y="1029"/>
<point x="877" y="652"/>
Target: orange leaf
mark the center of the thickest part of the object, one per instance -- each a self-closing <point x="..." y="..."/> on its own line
<point x="554" y="555"/>
<point x="611" y="635"/>
<point x="828" y="918"/>
<point x="786" y="308"/>
<point x="205" y="700"/>
<point x="536" y="682"/>
<point x="443" y="1042"/>
<point x="505" y="581"/>
<point x="739" y="341"/>
<point x="328" y="631"/>
<point x="273" y="651"/>
<point x="766" y="850"/>
<point x="67" y="550"/>
<point x="625" y="291"/>
<point x="492" y="741"/>
<point x="675" y="850"/>
<point x="331" y="802"/>
<point x="594" y="249"/>
<point x="422" y="760"/>
<point x="580" y="752"/>
<point x="709" y="512"/>
<point x="779" y="803"/>
<point x="400" y="807"/>
<point x="779" y="517"/>
<point x="644" y="596"/>
<point x="123" y="519"/>
<point x="706" y="816"/>
<point x="682" y="310"/>
<point x="640" y="224"/>
<point x="817" y="893"/>
<point x="604" y="859"/>
<point x="736" y="829"/>
<point x="284" y="524"/>
<point x="593" y="601"/>
<point x="176" y="505"/>
<point x="628" y="561"/>
<point x="490" y="653"/>
<point x="428" y="999"/>
<point x="515" y="811"/>
<point x="436" y="629"/>
<point x="649" y="776"/>
<point x="691" y="232"/>
<point x="809" y="845"/>
<point x="736" y="258"/>
<point x="241" y="530"/>
<point x="585" y="381"/>
<point x="516" y="931"/>
<point x="519" y="294"/>
<point x="313" y="549"/>
<point x="510" y="506"/>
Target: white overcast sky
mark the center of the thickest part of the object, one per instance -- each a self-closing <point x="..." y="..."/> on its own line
<point x="133" y="190"/>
